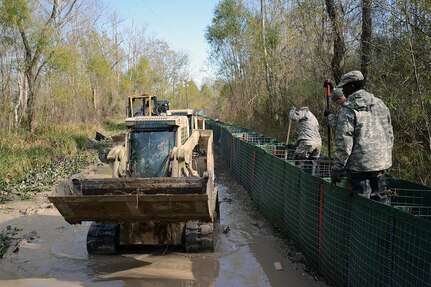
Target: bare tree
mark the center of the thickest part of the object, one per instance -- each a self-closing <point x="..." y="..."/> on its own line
<point x="35" y="43"/>
<point x="366" y="36"/>
<point x="265" y="52"/>
<point x="337" y="62"/>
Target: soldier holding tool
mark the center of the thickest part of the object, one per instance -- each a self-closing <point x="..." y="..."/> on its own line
<point x="363" y="140"/>
<point x="339" y="99"/>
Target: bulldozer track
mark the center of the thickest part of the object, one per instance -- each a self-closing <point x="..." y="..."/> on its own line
<point x="103" y="238"/>
<point x="199" y="236"/>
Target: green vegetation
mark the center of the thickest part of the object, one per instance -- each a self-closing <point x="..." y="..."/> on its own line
<point x="32" y="162"/>
<point x="114" y="127"/>
<point x="61" y="76"/>
<point x="268" y="57"/>
<point x="274" y="56"/>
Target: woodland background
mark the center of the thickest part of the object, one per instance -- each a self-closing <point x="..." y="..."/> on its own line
<point x="66" y="63"/>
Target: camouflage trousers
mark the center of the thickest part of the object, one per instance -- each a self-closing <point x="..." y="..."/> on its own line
<point x="370" y="185"/>
<point x="306" y="155"/>
<point x="307" y="150"/>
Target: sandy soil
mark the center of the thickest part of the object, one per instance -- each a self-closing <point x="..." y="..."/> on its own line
<point x="51" y="252"/>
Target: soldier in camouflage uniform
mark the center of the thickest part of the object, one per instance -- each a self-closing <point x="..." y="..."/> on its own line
<point x="339" y="99"/>
<point x="309" y="142"/>
<point x="363" y="140"/>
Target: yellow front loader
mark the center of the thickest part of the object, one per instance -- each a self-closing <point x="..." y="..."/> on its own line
<point x="161" y="191"/>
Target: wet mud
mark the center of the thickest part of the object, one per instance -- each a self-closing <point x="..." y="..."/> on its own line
<point x="50" y="252"/>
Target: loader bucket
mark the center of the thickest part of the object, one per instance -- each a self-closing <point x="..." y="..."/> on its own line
<point x="115" y="200"/>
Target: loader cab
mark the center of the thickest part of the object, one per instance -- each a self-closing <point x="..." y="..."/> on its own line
<point x="142" y="105"/>
<point x="150" y="142"/>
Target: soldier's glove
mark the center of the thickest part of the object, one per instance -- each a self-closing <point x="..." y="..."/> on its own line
<point x="336" y="175"/>
<point x="326" y="83"/>
<point x="327" y="112"/>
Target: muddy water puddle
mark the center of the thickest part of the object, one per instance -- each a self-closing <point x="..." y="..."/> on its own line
<point x="56" y="256"/>
<point x="53" y="252"/>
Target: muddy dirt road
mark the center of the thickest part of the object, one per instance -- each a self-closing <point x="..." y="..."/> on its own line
<point x="52" y="252"/>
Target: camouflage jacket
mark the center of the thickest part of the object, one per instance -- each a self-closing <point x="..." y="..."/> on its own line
<point x="332" y="119"/>
<point x="363" y="135"/>
<point x="308" y="125"/>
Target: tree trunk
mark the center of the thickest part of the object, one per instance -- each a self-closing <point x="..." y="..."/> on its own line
<point x="33" y="54"/>
<point x="94" y="93"/>
<point x="337" y="63"/>
<point x="29" y="109"/>
<point x="265" y="52"/>
<point x="20" y="104"/>
<point x="366" y="36"/>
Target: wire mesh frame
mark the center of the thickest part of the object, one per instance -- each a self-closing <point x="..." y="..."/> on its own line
<point x="395" y="250"/>
<point x="413" y="199"/>
<point x="320" y="167"/>
<point x="411" y="252"/>
<point x="412" y="204"/>
<point x="371" y="243"/>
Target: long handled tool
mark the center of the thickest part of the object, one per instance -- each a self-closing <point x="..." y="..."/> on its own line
<point x="327" y="86"/>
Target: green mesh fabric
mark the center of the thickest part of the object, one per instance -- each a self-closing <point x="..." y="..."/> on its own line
<point x="291" y="191"/>
<point x="258" y="186"/>
<point x="411" y="251"/>
<point x="309" y="216"/>
<point x="370" y="244"/>
<point x="270" y="188"/>
<point x="335" y="233"/>
<point x="353" y="241"/>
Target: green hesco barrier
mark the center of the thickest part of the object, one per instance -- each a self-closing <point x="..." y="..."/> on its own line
<point x="334" y="234"/>
<point x="370" y="244"/>
<point x="411" y="253"/>
<point x="235" y="158"/>
<point x="226" y="143"/>
<point x="291" y="193"/>
<point x="276" y="181"/>
<point x="271" y="191"/>
<point x="245" y="164"/>
<point x="259" y="184"/>
<point x="309" y="216"/>
<point x="353" y="241"/>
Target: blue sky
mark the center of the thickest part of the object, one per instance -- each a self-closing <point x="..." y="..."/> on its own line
<point x="181" y="23"/>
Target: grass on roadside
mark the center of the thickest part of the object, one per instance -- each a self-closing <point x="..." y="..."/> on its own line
<point x="31" y="160"/>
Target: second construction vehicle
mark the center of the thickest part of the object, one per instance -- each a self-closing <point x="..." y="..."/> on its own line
<point x="161" y="191"/>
